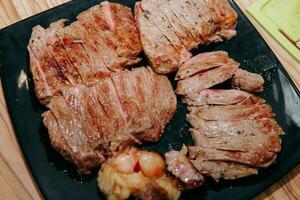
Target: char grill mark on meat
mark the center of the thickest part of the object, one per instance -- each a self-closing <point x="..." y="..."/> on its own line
<point x="239" y="142"/>
<point x="42" y="58"/>
<point x="202" y="62"/>
<point x="98" y="120"/>
<point x="76" y="53"/>
<point x="222" y="97"/>
<point x="206" y="79"/>
<point x="235" y="127"/>
<point x="232" y="112"/>
<point x="180" y="166"/>
<point x="98" y="65"/>
<point x="162" y="55"/>
<point x="103" y="40"/>
<point x="164" y="27"/>
<point x="67" y="137"/>
<point x="247" y="81"/>
<point x="170" y="28"/>
<point x="60" y="54"/>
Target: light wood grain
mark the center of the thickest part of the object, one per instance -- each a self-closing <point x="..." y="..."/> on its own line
<point x="15" y="179"/>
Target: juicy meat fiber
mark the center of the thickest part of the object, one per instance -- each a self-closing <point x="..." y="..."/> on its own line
<point x="102" y="41"/>
<point x="247" y="81"/>
<point x="88" y="123"/>
<point x="169" y="29"/>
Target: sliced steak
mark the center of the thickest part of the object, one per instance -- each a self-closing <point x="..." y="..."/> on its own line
<point x="180" y="166"/>
<point x="221" y="169"/>
<point x="239" y="142"/>
<point x="207" y="79"/>
<point x="257" y="158"/>
<point x="247" y="81"/>
<point x="169" y="28"/>
<point x="42" y="59"/>
<point x="202" y="62"/>
<point x="235" y="127"/>
<point x="110" y="115"/>
<point x="222" y="97"/>
<point x="232" y="112"/>
<point x="102" y="41"/>
<point x="162" y="55"/>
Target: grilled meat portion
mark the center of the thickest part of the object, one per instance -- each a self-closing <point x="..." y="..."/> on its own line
<point x="247" y="81"/>
<point x="202" y="62"/>
<point x="206" y="79"/>
<point x="221" y="97"/>
<point x="103" y="40"/>
<point x="233" y="112"/>
<point x="170" y="28"/>
<point x="239" y="142"/>
<point x="180" y="166"/>
<point x="257" y="158"/>
<point x="235" y="127"/>
<point x="97" y="120"/>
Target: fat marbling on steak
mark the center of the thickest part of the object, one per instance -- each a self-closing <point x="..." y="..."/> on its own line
<point x="88" y="123"/>
<point x="102" y="40"/>
<point x="169" y="29"/>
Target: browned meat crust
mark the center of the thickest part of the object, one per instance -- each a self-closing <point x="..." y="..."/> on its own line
<point x="170" y="28"/>
<point x="98" y="120"/>
<point x="103" y="40"/>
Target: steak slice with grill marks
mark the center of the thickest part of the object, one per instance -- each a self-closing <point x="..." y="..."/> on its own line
<point x="103" y="40"/>
<point x="98" y="120"/>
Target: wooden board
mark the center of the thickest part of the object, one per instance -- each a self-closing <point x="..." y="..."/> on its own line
<point x="15" y="179"/>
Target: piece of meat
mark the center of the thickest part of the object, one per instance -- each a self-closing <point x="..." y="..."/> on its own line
<point x="67" y="137"/>
<point x="60" y="54"/>
<point x="162" y="55"/>
<point x="232" y="112"/>
<point x="165" y="28"/>
<point x="76" y="52"/>
<point x="222" y="97"/>
<point x="170" y="28"/>
<point x="202" y="62"/>
<point x="223" y="15"/>
<point x="44" y="65"/>
<point x="247" y="81"/>
<point x="106" y="117"/>
<point x="221" y="169"/>
<point x="207" y="79"/>
<point x="257" y="158"/>
<point x="238" y="142"/>
<point x="235" y="127"/>
<point x="180" y="166"/>
<point x="137" y="173"/>
<point x="102" y="41"/>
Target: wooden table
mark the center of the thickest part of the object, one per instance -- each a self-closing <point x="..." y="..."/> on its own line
<point x="15" y="179"/>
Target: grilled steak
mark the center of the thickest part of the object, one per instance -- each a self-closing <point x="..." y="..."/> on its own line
<point x="257" y="158"/>
<point x="103" y="40"/>
<point x="202" y="62"/>
<point x="88" y="123"/>
<point x="206" y="79"/>
<point x="169" y="29"/>
<point x="221" y="97"/>
<point x="235" y="127"/>
<point x="247" y="81"/>
<point x="180" y="166"/>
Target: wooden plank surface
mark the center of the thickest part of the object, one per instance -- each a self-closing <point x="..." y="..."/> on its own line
<point x="15" y="179"/>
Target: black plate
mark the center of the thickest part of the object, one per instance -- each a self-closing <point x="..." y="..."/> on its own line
<point x="58" y="179"/>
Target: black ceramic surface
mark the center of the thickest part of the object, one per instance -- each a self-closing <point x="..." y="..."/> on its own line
<point x="58" y="179"/>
